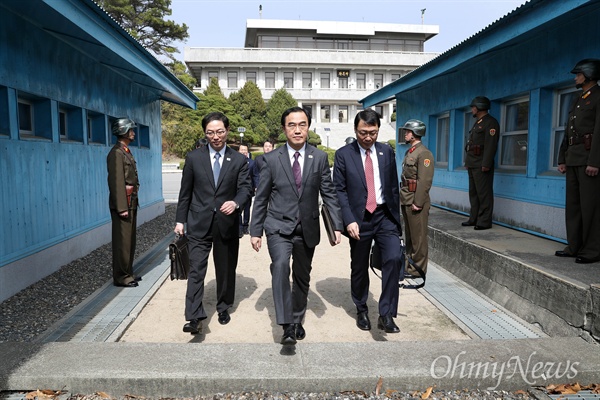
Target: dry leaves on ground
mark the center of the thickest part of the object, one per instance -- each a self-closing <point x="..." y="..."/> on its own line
<point x="572" y="388"/>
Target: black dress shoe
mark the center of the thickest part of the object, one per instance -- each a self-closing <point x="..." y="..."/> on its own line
<point x="362" y="321"/>
<point x="481" y="228"/>
<point x="467" y="223"/>
<point x="130" y="284"/>
<point x="300" y="332"/>
<point x="137" y="278"/>
<point x="289" y="335"/>
<point x="224" y="317"/>
<point x="192" y="326"/>
<point x="561" y="253"/>
<point x="583" y="260"/>
<point x="387" y="324"/>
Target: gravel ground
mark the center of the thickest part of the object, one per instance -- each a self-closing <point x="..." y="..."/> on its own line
<point x="26" y="315"/>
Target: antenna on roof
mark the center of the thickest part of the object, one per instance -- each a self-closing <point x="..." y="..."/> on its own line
<point x="423" y="15"/>
<point x="260" y="11"/>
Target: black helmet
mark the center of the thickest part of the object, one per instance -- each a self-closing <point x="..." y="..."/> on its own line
<point x="350" y="139"/>
<point x="481" y="103"/>
<point x="415" y="126"/>
<point x="589" y="67"/>
<point x="121" y="126"/>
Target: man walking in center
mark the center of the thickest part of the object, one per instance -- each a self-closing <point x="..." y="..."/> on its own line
<point x="286" y="209"/>
<point x="215" y="186"/>
<point x="481" y="150"/>
<point x="366" y="180"/>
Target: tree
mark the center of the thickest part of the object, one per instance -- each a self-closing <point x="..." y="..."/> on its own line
<point x="251" y="107"/>
<point x="280" y="101"/>
<point x="146" y="21"/>
<point x="180" y="71"/>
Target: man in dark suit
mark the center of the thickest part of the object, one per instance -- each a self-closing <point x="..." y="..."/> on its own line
<point x="258" y="162"/>
<point x="286" y="209"/>
<point x="215" y="186"/>
<point x="366" y="180"/>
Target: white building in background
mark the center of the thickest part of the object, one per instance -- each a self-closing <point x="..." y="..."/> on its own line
<point x="326" y="66"/>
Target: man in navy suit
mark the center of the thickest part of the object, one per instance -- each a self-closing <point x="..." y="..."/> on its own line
<point x="215" y="186"/>
<point x="366" y="180"/>
<point x="286" y="209"/>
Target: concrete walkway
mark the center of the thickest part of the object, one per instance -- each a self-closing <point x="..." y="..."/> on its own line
<point x="154" y="358"/>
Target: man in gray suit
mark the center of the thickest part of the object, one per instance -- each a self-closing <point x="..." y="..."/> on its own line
<point x="286" y="209"/>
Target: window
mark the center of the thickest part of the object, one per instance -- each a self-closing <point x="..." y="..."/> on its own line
<point x="211" y="75"/>
<point x="442" y="136"/>
<point x="378" y="81"/>
<point x="343" y="114"/>
<point x="144" y="136"/>
<point x="325" y="80"/>
<point x="564" y="99"/>
<point x="513" y="138"/>
<point x="232" y="79"/>
<point x="306" y="80"/>
<point x="70" y="123"/>
<point x="251" y="76"/>
<point x="35" y="116"/>
<point x="96" y="128"/>
<point x="4" y="122"/>
<point x="25" y="117"/>
<point x="288" y="80"/>
<point x="361" y="81"/>
<point x="325" y="113"/>
<point x="270" y="80"/>
<point x="395" y="77"/>
<point x="468" y="124"/>
<point x="343" y="83"/>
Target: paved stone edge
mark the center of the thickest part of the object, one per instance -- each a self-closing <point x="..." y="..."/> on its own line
<point x="187" y="370"/>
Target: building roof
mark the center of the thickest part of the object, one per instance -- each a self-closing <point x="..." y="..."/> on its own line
<point x="88" y="29"/>
<point x="336" y="28"/>
<point x="527" y="21"/>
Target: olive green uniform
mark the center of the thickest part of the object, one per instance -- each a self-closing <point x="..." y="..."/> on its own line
<point x="417" y="165"/>
<point x="122" y="172"/>
<point x="582" y="211"/>
<point x="481" y="150"/>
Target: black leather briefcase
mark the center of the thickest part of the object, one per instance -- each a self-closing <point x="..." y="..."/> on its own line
<point x="180" y="258"/>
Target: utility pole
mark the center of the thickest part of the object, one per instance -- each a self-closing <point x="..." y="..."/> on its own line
<point x="423" y="15"/>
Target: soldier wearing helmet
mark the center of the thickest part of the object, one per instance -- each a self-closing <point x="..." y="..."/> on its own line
<point x="481" y="150"/>
<point x="417" y="178"/>
<point x="579" y="158"/>
<point x="123" y="186"/>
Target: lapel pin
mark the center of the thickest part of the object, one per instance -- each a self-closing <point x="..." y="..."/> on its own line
<point x="380" y="153"/>
<point x="228" y="159"/>
<point x="310" y="156"/>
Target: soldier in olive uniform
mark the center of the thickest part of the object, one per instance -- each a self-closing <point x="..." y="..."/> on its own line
<point x="123" y="185"/>
<point x="481" y="150"/>
<point x="417" y="178"/>
<point x="579" y="158"/>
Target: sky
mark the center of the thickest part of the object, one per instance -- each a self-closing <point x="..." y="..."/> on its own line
<point x="222" y="23"/>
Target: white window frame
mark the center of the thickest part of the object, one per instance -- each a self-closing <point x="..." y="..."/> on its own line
<point x="361" y="80"/>
<point x="325" y="78"/>
<point x="248" y="76"/>
<point x="307" y="80"/>
<point x="232" y="79"/>
<point x="505" y="134"/>
<point x="288" y="81"/>
<point x="559" y="127"/>
<point x="442" y="147"/>
<point x="268" y="78"/>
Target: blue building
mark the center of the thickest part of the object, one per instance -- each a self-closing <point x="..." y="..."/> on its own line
<point x="67" y="71"/>
<point x="522" y="63"/>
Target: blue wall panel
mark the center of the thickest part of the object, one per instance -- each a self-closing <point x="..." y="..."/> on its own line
<point x="52" y="191"/>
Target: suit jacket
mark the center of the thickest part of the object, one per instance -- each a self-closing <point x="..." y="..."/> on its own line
<point x="122" y="171"/>
<point x="278" y="205"/>
<point x="351" y="183"/>
<point x="199" y="198"/>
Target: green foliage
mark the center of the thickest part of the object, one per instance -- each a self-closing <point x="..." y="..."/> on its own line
<point x="393" y="116"/>
<point x="330" y="154"/>
<point x="146" y="21"/>
<point x="279" y="102"/>
<point x="313" y="138"/>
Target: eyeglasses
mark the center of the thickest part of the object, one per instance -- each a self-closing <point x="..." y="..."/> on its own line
<point x="301" y="125"/>
<point x="220" y="132"/>
<point x="368" y="133"/>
